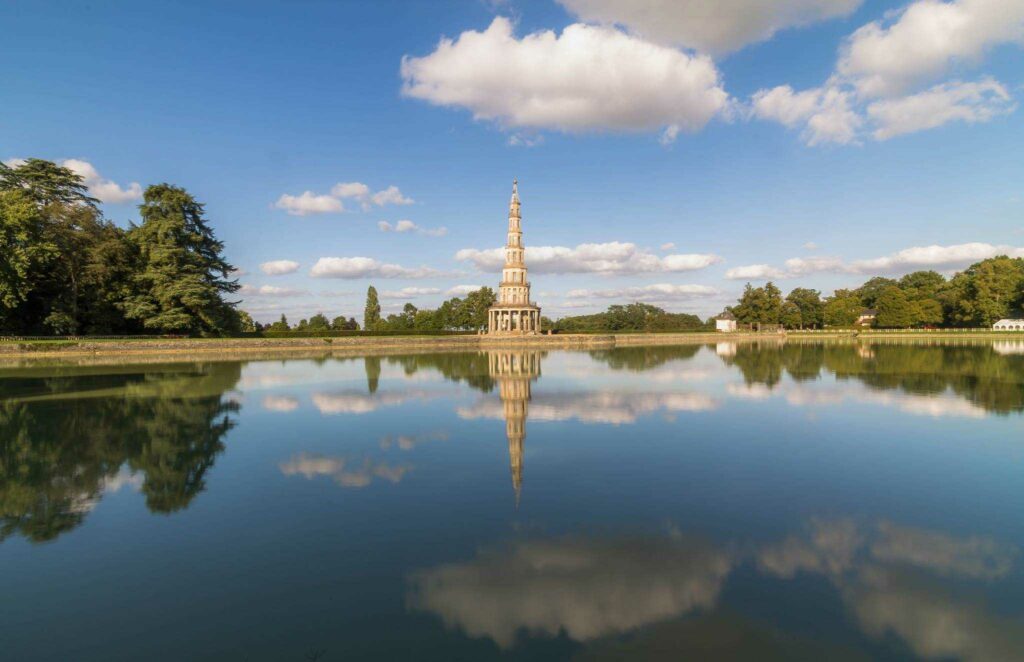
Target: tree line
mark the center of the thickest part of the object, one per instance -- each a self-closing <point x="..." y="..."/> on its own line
<point x="67" y="270"/>
<point x="979" y="296"/>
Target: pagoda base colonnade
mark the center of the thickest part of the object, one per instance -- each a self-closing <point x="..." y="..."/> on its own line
<point x="514" y="321"/>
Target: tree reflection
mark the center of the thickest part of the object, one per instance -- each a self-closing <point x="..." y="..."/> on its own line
<point x="64" y="437"/>
<point x="980" y="374"/>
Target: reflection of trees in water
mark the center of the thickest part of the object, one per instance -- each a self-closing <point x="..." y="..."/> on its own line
<point x="638" y="359"/>
<point x="61" y="445"/>
<point x="976" y="373"/>
<point x="468" y="367"/>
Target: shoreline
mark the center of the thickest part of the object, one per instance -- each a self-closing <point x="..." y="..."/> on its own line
<point x="230" y="348"/>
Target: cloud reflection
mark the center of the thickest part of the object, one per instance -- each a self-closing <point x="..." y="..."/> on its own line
<point x="607" y="407"/>
<point x="342" y="470"/>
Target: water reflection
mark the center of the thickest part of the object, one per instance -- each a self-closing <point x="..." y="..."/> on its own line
<point x="893" y="580"/>
<point x="69" y="436"/>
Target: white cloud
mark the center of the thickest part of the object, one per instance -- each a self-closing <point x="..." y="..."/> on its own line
<point x="269" y="291"/>
<point x="365" y="267"/>
<point x="909" y="259"/>
<point x="408" y="226"/>
<point x="825" y="113"/>
<point x="607" y="258"/>
<point x="362" y="193"/>
<point x="949" y="102"/>
<point x="650" y="293"/>
<point x="103" y="189"/>
<point x="279" y="267"/>
<point x="586" y="79"/>
<point x="462" y="290"/>
<point x="309" y="203"/>
<point x="754" y="272"/>
<point x="409" y="292"/>
<point x="668" y="246"/>
<point x="935" y="257"/>
<point x="881" y="65"/>
<point x="811" y="246"/>
<point x="716" y="26"/>
<point x="886" y="58"/>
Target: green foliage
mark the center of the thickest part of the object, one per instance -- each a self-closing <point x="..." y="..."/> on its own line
<point x="791" y="317"/>
<point x="842" y="308"/>
<point x="631" y="317"/>
<point x="872" y="289"/>
<point x="371" y="314"/>
<point x="182" y="275"/>
<point x="342" y="324"/>
<point x="810" y="306"/>
<point x="46" y="183"/>
<point x="246" y="323"/>
<point x="894" y="309"/>
<point x="759" y="305"/>
<point x="987" y="291"/>
<point x="25" y="251"/>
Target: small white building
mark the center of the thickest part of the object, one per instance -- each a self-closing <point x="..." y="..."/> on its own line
<point x="1008" y="325"/>
<point x="726" y="322"/>
<point x="866" y="317"/>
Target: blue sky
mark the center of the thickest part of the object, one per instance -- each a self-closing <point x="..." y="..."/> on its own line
<point x="667" y="151"/>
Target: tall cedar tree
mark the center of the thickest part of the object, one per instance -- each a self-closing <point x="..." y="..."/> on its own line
<point x="183" y="276"/>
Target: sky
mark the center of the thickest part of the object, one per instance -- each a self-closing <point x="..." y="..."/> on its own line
<point x="667" y="151"/>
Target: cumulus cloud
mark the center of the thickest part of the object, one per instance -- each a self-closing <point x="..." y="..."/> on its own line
<point x="309" y="203"/>
<point x="279" y="267"/>
<point x="269" y="291"/>
<point x="920" y="43"/>
<point x="909" y="259"/>
<point x="362" y="193"/>
<point x="651" y="293"/>
<point x="409" y="292"/>
<point x="755" y="272"/>
<point x="462" y="290"/>
<point x="607" y="258"/>
<point x="668" y="246"/>
<point x="935" y="257"/>
<point x="586" y="588"/>
<point x="949" y="102"/>
<point x="355" y="402"/>
<point x="588" y="78"/>
<point x="719" y="26"/>
<point x="366" y="267"/>
<point x="404" y="226"/>
<point x="104" y="190"/>
<point x="825" y="113"/>
<point x="875" y="89"/>
<point x="342" y="470"/>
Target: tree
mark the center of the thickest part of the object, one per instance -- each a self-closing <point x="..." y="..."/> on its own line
<point x="986" y="291"/>
<point x="24" y="251"/>
<point x="371" y="314"/>
<point x="759" y="305"/>
<point x="922" y="285"/>
<point x="791" y="317"/>
<point x="872" y="289"/>
<point x="183" y="275"/>
<point x="280" y="325"/>
<point x="341" y="324"/>
<point x="894" y="310"/>
<point x="809" y="303"/>
<point x="318" y="322"/>
<point x="246" y="324"/>
<point x="46" y="183"/>
<point x="842" y="308"/>
<point x="927" y="312"/>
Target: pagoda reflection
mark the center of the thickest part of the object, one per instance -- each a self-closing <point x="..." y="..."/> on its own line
<point x="514" y="371"/>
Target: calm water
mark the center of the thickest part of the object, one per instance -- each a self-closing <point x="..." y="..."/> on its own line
<point x="807" y="501"/>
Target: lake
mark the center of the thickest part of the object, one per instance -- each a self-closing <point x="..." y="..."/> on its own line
<point x="726" y="501"/>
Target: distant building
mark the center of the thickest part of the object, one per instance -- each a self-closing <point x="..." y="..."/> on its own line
<point x="514" y="314"/>
<point x="1008" y="325"/>
<point x="867" y="317"/>
<point x="726" y="322"/>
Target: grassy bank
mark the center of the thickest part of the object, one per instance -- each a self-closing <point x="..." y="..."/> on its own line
<point x="349" y="344"/>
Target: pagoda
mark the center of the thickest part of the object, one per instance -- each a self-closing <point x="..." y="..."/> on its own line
<point x="513" y="314"/>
